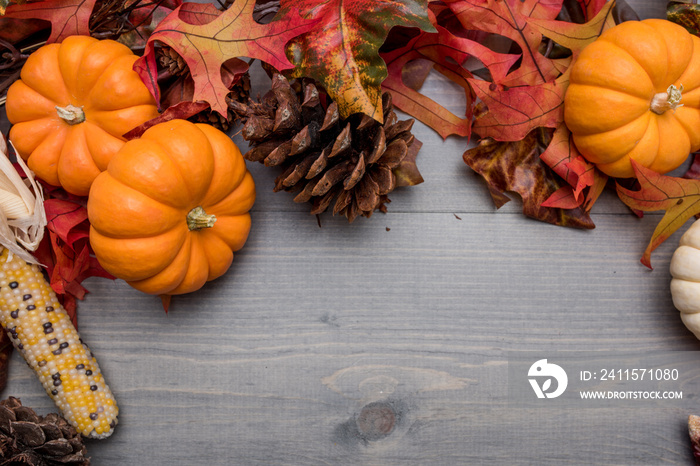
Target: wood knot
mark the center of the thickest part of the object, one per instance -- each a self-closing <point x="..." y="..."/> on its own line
<point x="376" y="420"/>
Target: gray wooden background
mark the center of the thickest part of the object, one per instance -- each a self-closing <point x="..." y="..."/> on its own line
<point x="386" y="341"/>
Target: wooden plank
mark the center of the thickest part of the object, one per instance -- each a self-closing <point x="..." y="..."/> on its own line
<point x="386" y="341"/>
<point x="274" y="363"/>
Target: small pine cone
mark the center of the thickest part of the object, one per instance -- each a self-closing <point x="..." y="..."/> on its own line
<point x="170" y="59"/>
<point x="240" y="92"/>
<point x="325" y="159"/>
<point x="29" y="439"/>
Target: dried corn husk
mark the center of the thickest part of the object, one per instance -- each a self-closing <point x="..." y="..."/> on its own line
<point x="23" y="217"/>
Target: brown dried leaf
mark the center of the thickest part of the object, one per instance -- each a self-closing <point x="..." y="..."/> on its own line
<point x="516" y="167"/>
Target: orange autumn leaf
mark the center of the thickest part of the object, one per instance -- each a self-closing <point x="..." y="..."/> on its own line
<point x="206" y="39"/>
<point x="679" y="197"/>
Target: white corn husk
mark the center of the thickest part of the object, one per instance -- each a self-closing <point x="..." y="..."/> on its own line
<point x="22" y="218"/>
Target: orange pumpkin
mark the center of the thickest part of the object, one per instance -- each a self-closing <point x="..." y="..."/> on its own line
<point x="634" y="93"/>
<point x="171" y="208"/>
<point x="72" y="105"/>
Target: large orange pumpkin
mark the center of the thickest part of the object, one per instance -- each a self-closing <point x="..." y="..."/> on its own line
<point x="72" y="105"/>
<point x="171" y="208"/>
<point x="634" y="93"/>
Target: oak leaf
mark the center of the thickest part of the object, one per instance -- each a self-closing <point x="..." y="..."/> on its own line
<point x="679" y="197"/>
<point x="67" y="17"/>
<point x="512" y="19"/>
<point x="206" y="39"/>
<point x="530" y="97"/>
<point x="509" y="114"/>
<point x="447" y="51"/>
<point x="342" y="51"/>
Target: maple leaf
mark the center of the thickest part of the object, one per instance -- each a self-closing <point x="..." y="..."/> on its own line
<point x="679" y="197"/>
<point x="516" y="167"/>
<point x="206" y="39"/>
<point x="67" y="17"/>
<point x="342" y="52"/>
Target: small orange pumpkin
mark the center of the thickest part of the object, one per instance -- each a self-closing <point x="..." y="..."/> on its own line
<point x="634" y="93"/>
<point x="72" y="105"/>
<point x="171" y="208"/>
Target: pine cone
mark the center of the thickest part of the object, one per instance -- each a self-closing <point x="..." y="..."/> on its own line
<point x="240" y="92"/>
<point x="169" y="59"/>
<point x="326" y="159"/>
<point x="32" y="440"/>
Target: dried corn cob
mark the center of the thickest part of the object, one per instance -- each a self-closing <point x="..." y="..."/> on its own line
<point x="38" y="325"/>
<point x="42" y="331"/>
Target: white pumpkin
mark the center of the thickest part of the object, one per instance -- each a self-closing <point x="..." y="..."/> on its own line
<point x="685" y="285"/>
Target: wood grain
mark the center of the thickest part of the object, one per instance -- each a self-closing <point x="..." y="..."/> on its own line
<point x="386" y="341"/>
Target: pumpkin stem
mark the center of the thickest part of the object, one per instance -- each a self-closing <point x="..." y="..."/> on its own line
<point x="669" y="100"/>
<point x="198" y="219"/>
<point x="71" y="114"/>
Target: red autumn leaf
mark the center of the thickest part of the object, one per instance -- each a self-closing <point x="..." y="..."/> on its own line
<point x="509" y="114"/>
<point x="67" y="17"/>
<point x="14" y="30"/>
<point x="520" y="103"/>
<point x="65" y="249"/>
<point x="694" y="169"/>
<point x="600" y="180"/>
<point x="342" y="51"/>
<point x="178" y="98"/>
<point x="447" y="52"/>
<point x="679" y="197"/>
<point x="563" y="157"/>
<point x="512" y="19"/>
<point x="63" y="217"/>
<point x="591" y="8"/>
<point x="563" y="198"/>
<point x="206" y="39"/>
<point x="494" y="160"/>
<point x="179" y="111"/>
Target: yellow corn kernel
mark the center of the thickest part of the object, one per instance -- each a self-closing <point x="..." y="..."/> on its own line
<point x="43" y="333"/>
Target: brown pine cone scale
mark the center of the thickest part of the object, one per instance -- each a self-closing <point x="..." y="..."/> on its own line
<point x="326" y="160"/>
<point x="29" y="439"/>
